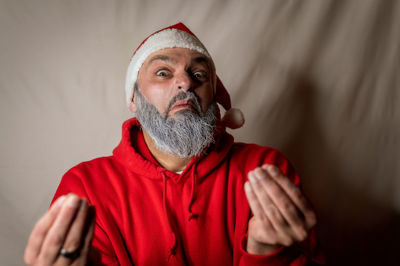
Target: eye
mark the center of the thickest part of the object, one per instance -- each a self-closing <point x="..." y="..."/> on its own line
<point x="162" y="73"/>
<point x="200" y="75"/>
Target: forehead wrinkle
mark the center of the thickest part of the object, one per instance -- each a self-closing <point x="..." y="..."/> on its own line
<point x="162" y="58"/>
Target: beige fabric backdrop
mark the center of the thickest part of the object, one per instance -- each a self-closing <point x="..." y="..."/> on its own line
<point x="316" y="79"/>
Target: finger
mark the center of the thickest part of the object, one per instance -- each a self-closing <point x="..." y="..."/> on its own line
<point x="56" y="235"/>
<point x="295" y="194"/>
<point x="73" y="241"/>
<point x="267" y="205"/>
<point x="86" y="237"/>
<point x="297" y="225"/>
<point x="89" y="234"/>
<point x="253" y="201"/>
<point x="40" y="230"/>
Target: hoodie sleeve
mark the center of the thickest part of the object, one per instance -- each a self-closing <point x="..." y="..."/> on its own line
<point x="295" y="255"/>
<point x="101" y="252"/>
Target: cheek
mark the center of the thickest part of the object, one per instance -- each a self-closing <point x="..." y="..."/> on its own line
<point x="206" y="95"/>
<point x="157" y="95"/>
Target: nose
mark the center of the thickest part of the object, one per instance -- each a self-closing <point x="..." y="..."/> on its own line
<point x="183" y="81"/>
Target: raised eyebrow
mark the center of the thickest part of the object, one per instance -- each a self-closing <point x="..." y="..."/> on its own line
<point x="201" y="59"/>
<point x="162" y="58"/>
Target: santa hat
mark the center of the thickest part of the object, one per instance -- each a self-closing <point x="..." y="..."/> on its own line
<point x="179" y="35"/>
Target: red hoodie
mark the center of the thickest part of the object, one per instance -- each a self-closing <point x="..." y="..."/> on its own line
<point x="147" y="215"/>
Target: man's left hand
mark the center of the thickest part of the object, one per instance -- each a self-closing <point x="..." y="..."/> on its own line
<point x="282" y="214"/>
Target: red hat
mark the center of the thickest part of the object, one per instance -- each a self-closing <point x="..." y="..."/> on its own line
<point x="179" y="35"/>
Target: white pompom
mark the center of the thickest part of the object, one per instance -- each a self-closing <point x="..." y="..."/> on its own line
<point x="233" y="118"/>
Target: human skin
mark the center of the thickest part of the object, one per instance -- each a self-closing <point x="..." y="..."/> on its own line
<point x="163" y="75"/>
<point x="169" y="71"/>
<point x="282" y="214"/>
<point x="68" y="224"/>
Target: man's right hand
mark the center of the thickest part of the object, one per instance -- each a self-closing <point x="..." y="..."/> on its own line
<point x="67" y="225"/>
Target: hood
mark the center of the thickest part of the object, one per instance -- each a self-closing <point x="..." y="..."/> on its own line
<point x="144" y="164"/>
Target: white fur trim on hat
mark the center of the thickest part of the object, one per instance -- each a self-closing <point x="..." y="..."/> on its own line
<point x="168" y="38"/>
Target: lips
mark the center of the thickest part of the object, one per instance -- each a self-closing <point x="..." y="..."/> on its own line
<point x="184" y="104"/>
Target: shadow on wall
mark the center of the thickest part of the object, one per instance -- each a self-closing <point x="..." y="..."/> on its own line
<point x="354" y="229"/>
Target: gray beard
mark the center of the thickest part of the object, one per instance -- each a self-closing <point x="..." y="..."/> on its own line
<point x="185" y="134"/>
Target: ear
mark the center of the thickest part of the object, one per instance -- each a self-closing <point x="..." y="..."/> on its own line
<point x="132" y="105"/>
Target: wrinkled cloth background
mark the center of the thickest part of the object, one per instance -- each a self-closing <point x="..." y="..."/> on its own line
<point x="317" y="80"/>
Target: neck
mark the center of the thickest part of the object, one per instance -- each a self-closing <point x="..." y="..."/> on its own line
<point x="168" y="161"/>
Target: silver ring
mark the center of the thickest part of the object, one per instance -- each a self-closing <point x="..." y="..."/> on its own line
<point x="69" y="255"/>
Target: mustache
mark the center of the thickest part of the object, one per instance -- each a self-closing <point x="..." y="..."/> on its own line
<point x="184" y="96"/>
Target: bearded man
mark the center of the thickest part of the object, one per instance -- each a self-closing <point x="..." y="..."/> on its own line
<point x="177" y="189"/>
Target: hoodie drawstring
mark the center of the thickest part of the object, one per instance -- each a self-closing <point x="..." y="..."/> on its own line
<point x="172" y="248"/>
<point x="193" y="175"/>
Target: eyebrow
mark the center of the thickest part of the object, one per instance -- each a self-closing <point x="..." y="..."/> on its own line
<point x="162" y="58"/>
<point x="201" y="59"/>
